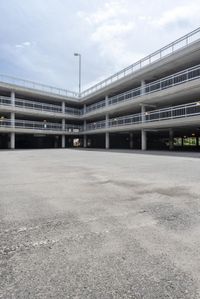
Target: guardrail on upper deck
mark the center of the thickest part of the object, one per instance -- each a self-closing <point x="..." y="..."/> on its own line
<point x="37" y="86"/>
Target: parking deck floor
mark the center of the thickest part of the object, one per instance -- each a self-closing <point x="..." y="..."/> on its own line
<point x="97" y="224"/>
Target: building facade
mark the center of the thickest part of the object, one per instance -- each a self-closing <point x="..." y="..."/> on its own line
<point x="152" y="104"/>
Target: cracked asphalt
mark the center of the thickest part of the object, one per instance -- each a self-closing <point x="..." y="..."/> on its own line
<point x="95" y="224"/>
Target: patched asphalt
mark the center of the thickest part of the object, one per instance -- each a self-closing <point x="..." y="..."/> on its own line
<point x="97" y="224"/>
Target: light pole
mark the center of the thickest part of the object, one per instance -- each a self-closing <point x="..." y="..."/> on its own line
<point x="79" y="55"/>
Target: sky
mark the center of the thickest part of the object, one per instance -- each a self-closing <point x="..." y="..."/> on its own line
<point x="38" y="38"/>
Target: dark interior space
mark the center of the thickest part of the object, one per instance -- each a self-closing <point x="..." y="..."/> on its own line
<point x="120" y="141"/>
<point x="96" y="141"/>
<point x="37" y="141"/>
<point x="183" y="140"/>
<point x="4" y="141"/>
<point x="123" y="141"/>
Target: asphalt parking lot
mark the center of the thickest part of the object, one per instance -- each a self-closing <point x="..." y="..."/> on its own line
<point x="96" y="224"/>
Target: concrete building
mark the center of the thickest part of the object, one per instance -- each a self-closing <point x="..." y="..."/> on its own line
<point x="152" y="104"/>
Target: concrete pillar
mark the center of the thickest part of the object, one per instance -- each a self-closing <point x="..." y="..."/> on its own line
<point x="12" y="140"/>
<point x="171" y="139"/>
<point x="63" y="107"/>
<point x="106" y="100"/>
<point x="84" y="108"/>
<point x="63" y="136"/>
<point x="143" y="87"/>
<point x="107" y="120"/>
<point x="63" y="141"/>
<point x="143" y="111"/>
<point x="131" y="140"/>
<point x="144" y="140"/>
<point x="12" y="98"/>
<point x="84" y="141"/>
<point x="84" y="125"/>
<point x="63" y="124"/>
<point x="84" y="128"/>
<point x="107" y="141"/>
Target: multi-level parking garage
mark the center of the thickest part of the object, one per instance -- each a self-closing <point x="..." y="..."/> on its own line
<point x="152" y="104"/>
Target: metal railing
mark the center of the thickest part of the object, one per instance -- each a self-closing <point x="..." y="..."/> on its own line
<point x="37" y="125"/>
<point x="38" y="86"/>
<point x="180" y="43"/>
<point x="74" y="111"/>
<point x="26" y="104"/>
<point x="180" y="111"/>
<point x="98" y="105"/>
<point x="192" y="109"/>
<point x="96" y="125"/>
<point x="73" y="128"/>
<point x="161" y="84"/>
<point x="37" y="106"/>
<point x="5" y="101"/>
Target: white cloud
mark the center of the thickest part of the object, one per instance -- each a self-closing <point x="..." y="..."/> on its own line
<point x="23" y="45"/>
<point x="110" y="25"/>
<point x="110" y="34"/>
<point x="179" y="15"/>
<point x="109" y="11"/>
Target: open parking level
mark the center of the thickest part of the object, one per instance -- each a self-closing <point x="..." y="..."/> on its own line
<point x="96" y="224"/>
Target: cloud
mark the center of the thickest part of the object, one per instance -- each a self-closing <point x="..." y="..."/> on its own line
<point x="110" y="34"/>
<point x="109" y="11"/>
<point x="23" y="45"/>
<point x="180" y="16"/>
<point x="110" y="26"/>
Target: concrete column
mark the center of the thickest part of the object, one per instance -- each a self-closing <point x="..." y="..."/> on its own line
<point x="84" y="108"/>
<point x="12" y="98"/>
<point x="63" y="136"/>
<point x="84" y="141"/>
<point x="106" y="100"/>
<point x="84" y="125"/>
<point x="143" y="87"/>
<point x="63" y="107"/>
<point x="143" y="110"/>
<point x="63" y="141"/>
<point x="107" y="120"/>
<point x="144" y="140"/>
<point x="12" y="140"/>
<point x="63" y="124"/>
<point x="107" y="141"/>
<point x="171" y="139"/>
<point x="131" y="140"/>
<point x="84" y="128"/>
<point x="12" y="117"/>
